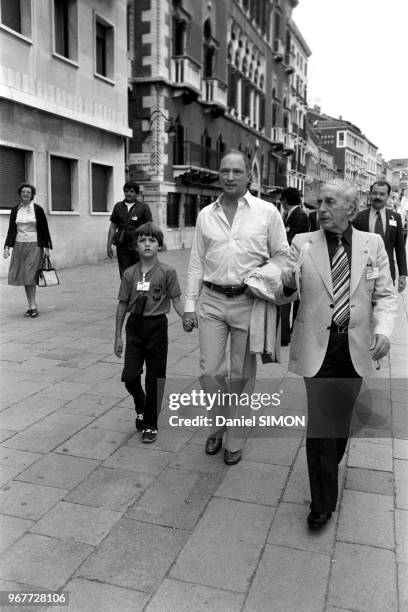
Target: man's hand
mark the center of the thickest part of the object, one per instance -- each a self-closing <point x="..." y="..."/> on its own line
<point x="109" y="252"/>
<point x="379" y="347"/>
<point x="118" y="348"/>
<point x="6" y="252"/>
<point x="189" y="321"/>
<point x="288" y="278"/>
<point x="402" y="281"/>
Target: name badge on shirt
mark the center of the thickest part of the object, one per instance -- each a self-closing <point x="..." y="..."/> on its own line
<point x="372" y="274"/>
<point x="287" y="229"/>
<point x="393" y="222"/>
<point x="143" y="285"/>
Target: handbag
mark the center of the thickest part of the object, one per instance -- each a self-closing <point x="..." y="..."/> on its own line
<point x="119" y="237"/>
<point x="47" y="276"/>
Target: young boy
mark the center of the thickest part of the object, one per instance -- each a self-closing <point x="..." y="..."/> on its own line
<point x="145" y="291"/>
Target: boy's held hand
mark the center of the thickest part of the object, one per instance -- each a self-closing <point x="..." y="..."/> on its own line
<point x="189" y="321"/>
<point x="118" y="348"/>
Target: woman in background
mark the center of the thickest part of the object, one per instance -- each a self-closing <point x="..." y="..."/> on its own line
<point x="29" y="237"/>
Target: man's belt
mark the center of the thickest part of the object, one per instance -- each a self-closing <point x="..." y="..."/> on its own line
<point x="338" y="329"/>
<point x="227" y="290"/>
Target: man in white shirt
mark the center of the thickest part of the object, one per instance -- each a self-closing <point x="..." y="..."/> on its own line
<point x="233" y="236"/>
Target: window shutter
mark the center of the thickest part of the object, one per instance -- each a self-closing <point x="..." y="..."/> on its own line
<point x="60" y="184"/>
<point x="99" y="188"/>
<point x="12" y="174"/>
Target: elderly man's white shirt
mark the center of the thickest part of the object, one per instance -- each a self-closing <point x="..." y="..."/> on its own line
<point x="224" y="254"/>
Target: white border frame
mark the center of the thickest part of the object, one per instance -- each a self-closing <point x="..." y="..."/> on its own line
<point x="97" y="17"/>
<point x="30" y="166"/>
<point x="67" y="60"/>
<point x="111" y="191"/>
<point x="23" y="37"/>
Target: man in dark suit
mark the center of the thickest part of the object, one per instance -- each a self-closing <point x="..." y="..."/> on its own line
<point x="346" y="317"/>
<point x="314" y="223"/>
<point x="296" y="221"/>
<point x="379" y="219"/>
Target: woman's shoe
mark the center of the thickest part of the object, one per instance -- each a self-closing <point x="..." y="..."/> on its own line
<point x="28" y="313"/>
<point x="34" y="313"/>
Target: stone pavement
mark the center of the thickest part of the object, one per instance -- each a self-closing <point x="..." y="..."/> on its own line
<point x="122" y="526"/>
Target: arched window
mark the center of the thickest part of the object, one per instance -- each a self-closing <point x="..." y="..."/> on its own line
<point x="208" y="50"/>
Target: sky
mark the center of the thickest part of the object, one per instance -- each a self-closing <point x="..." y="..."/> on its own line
<point x="359" y="65"/>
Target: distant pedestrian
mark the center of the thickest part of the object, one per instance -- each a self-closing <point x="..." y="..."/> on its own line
<point x="296" y="221"/>
<point x="126" y="217"/>
<point x="29" y="237"/>
<point x="388" y="223"/>
<point x="145" y="292"/>
<point x="314" y="223"/>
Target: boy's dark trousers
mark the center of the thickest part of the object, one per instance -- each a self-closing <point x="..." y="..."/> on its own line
<point x="146" y="342"/>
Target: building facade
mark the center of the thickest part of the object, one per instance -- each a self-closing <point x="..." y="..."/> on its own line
<point x="206" y="77"/>
<point x="320" y="167"/>
<point x="63" y="117"/>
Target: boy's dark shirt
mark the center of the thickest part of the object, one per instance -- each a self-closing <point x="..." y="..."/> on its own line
<point x="139" y="213"/>
<point x="164" y="286"/>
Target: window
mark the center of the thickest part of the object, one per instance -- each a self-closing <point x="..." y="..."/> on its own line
<point x="66" y="28"/>
<point x="173" y="209"/>
<point x="190" y="210"/>
<point x="340" y="139"/>
<point x="104" y="48"/>
<point x="205" y="201"/>
<point x="101" y="177"/>
<point x="63" y="175"/>
<point x="14" y="170"/>
<point x="16" y="15"/>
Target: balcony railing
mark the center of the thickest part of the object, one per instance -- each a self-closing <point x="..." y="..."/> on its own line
<point x="213" y="91"/>
<point x="192" y="154"/>
<point x="185" y="71"/>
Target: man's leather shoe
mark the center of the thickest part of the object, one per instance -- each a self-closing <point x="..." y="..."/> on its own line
<point x="231" y="458"/>
<point x="318" y="519"/>
<point x="213" y="445"/>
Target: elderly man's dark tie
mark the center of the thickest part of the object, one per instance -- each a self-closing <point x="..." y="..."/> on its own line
<point x="379" y="228"/>
<point x="341" y="285"/>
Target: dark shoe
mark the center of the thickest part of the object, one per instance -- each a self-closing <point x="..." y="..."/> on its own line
<point x="318" y="519"/>
<point x="139" y="422"/>
<point x="149" y="436"/>
<point x="231" y="458"/>
<point x="34" y="313"/>
<point x="28" y="313"/>
<point x="213" y="445"/>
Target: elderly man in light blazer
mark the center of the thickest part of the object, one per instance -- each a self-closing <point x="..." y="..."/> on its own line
<point x="345" y="319"/>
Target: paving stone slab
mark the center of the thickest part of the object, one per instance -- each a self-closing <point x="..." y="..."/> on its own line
<point x="371" y="481"/>
<point x="192" y="458"/>
<point x="297" y="490"/>
<point x="87" y="596"/>
<point x="76" y="521"/>
<point x="12" y="528"/>
<point x="175" y="499"/>
<point x="367" y="518"/>
<point x="172" y="439"/>
<point x="401" y="483"/>
<point x="117" y="419"/>
<point x="5" y="434"/>
<point x="289" y="528"/>
<point x="27" y="500"/>
<point x="400" y="429"/>
<point x="25" y="413"/>
<point x="399" y="411"/>
<point x="279" y="451"/>
<point x="91" y="405"/>
<point x="363" y="578"/>
<point x="403" y="586"/>
<point x="97" y="372"/>
<point x="254" y="482"/>
<point x="401" y="535"/>
<point x="93" y="443"/>
<point x="187" y="597"/>
<point x="134" y="455"/>
<point x="288" y="580"/>
<point x="135" y="555"/>
<point x="48" y="433"/>
<point x="13" y="457"/>
<point x="42" y="562"/>
<point x="364" y="454"/>
<point x="13" y="394"/>
<point x="400" y="449"/>
<point x="55" y="470"/>
<point x="110" y="388"/>
<point x="110" y="488"/>
<point x="223" y="549"/>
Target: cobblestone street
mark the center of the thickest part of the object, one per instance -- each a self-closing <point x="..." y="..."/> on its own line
<point x="122" y="526"/>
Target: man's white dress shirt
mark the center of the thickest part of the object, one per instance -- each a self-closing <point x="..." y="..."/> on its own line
<point x="224" y="254"/>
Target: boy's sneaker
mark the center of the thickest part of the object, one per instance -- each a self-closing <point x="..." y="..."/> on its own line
<point x="149" y="435"/>
<point x="139" y="423"/>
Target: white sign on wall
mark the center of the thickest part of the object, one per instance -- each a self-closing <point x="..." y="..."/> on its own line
<point x="139" y="159"/>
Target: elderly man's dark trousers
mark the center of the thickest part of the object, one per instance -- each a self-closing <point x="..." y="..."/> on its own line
<point x="331" y="395"/>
